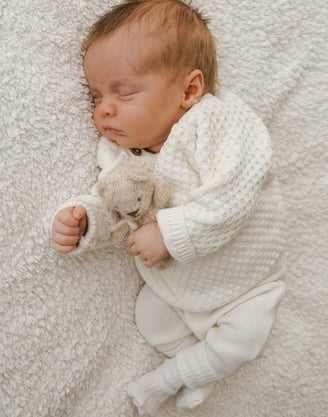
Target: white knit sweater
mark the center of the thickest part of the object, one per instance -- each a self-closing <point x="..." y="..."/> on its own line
<point x="226" y="227"/>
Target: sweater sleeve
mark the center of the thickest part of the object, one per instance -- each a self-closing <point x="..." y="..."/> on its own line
<point x="100" y="222"/>
<point x="232" y="160"/>
<point x="100" y="219"/>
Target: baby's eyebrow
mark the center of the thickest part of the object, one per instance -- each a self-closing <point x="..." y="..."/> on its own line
<point x="115" y="84"/>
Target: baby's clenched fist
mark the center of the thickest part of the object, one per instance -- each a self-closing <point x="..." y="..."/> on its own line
<point x="67" y="228"/>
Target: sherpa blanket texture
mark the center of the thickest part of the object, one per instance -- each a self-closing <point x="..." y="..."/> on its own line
<point x="68" y="341"/>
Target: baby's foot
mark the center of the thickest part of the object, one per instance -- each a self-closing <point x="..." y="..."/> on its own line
<point x="151" y="390"/>
<point x="190" y="398"/>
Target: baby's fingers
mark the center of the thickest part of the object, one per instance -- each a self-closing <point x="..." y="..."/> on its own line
<point x="66" y="217"/>
<point x="63" y="229"/>
<point x="134" y="250"/>
<point x="65" y="240"/>
<point x="78" y="212"/>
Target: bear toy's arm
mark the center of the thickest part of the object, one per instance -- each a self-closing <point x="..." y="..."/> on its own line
<point x="120" y="234"/>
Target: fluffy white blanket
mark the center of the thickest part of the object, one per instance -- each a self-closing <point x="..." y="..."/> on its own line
<point x="68" y="342"/>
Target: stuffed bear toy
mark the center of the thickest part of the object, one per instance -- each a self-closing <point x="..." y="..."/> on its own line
<point x="132" y="192"/>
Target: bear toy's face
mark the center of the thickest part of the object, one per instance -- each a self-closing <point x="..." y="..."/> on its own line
<point x="136" y="199"/>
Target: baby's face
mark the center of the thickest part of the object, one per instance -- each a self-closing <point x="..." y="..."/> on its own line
<point x="135" y="109"/>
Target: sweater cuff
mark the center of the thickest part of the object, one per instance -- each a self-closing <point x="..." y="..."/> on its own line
<point x="87" y="241"/>
<point x="100" y="223"/>
<point x="172" y="225"/>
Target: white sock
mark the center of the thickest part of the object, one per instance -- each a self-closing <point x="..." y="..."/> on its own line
<point x="190" y="398"/>
<point x="151" y="390"/>
<point x="194" y="366"/>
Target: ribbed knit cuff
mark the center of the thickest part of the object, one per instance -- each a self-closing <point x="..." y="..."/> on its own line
<point x="173" y="227"/>
<point x="99" y="223"/>
<point x="194" y="367"/>
<point x="86" y="241"/>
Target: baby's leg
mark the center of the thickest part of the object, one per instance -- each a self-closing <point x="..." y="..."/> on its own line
<point x="161" y="325"/>
<point x="164" y="329"/>
<point x="241" y="334"/>
<point x="238" y="337"/>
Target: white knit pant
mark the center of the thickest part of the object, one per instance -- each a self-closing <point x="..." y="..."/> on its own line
<point x="210" y="345"/>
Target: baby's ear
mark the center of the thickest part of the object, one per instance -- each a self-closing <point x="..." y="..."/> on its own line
<point x="193" y="88"/>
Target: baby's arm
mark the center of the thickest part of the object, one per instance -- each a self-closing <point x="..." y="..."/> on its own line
<point x="85" y="222"/>
<point x="232" y="164"/>
<point x="82" y="224"/>
<point x="68" y="226"/>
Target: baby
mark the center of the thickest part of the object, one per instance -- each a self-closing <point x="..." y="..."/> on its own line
<point x="152" y="72"/>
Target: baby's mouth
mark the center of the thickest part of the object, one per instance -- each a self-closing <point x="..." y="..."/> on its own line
<point x="113" y="130"/>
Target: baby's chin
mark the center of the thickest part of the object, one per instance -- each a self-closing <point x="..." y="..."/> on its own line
<point x="128" y="143"/>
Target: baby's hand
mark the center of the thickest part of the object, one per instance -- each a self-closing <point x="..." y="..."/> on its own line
<point x="147" y="243"/>
<point x="68" y="226"/>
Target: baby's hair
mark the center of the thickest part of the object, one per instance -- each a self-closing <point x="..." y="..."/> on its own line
<point x="179" y="31"/>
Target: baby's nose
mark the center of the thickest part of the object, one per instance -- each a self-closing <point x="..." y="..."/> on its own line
<point x="107" y="107"/>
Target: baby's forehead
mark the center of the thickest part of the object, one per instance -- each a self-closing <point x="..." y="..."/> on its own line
<point x="145" y="47"/>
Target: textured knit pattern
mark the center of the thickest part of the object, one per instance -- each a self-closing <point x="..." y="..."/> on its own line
<point x="68" y="341"/>
<point x="227" y="230"/>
